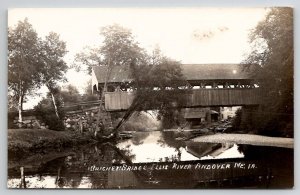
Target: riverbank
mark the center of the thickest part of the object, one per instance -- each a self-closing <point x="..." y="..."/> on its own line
<point x="249" y="139"/>
<point x="30" y="141"/>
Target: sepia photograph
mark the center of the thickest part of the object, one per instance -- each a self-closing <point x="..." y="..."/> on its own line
<point x="150" y="98"/>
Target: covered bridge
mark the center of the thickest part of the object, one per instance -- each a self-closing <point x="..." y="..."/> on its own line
<point x="211" y="84"/>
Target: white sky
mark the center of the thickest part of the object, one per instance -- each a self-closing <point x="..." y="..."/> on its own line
<point x="190" y="35"/>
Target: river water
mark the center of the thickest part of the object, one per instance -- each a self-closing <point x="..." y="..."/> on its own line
<point x="155" y="160"/>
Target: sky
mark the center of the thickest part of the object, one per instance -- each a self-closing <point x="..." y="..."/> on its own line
<point x="189" y="35"/>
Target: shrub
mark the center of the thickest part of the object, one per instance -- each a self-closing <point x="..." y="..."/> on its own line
<point x="44" y="111"/>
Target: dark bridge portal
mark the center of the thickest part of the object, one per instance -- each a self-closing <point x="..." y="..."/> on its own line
<point x="209" y="85"/>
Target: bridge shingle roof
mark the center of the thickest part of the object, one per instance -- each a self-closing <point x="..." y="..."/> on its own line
<point x="214" y="71"/>
<point x="190" y="72"/>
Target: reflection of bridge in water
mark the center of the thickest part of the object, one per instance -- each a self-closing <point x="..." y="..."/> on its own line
<point x="207" y="85"/>
<point x="263" y="171"/>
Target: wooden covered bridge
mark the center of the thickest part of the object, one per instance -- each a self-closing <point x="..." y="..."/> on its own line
<point x="209" y="85"/>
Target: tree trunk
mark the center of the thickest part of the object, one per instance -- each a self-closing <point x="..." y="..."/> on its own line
<point x="20" y="111"/>
<point x="54" y="104"/>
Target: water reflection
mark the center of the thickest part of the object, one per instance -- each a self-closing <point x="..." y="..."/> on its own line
<point x="160" y="149"/>
<point x="166" y="147"/>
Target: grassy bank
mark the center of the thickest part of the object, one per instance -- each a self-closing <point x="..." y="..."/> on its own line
<point x="24" y="141"/>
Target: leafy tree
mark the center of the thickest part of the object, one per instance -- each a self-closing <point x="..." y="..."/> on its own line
<point x="70" y="95"/>
<point x="273" y="53"/>
<point x="118" y="49"/>
<point x="157" y="85"/>
<point x="156" y="78"/>
<point x="23" y="63"/>
<point x="54" y="66"/>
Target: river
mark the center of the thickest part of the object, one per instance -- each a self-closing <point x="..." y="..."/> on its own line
<point x="156" y="160"/>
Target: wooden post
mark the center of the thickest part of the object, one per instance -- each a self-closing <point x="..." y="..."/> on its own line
<point x="23" y="182"/>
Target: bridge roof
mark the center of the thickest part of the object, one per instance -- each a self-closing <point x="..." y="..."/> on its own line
<point x="118" y="74"/>
<point x="190" y="72"/>
<point x="214" y="71"/>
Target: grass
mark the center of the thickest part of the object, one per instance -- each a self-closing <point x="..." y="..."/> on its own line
<point x="29" y="140"/>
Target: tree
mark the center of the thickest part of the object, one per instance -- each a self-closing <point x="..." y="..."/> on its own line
<point x="158" y="86"/>
<point x="54" y="66"/>
<point x="44" y="111"/>
<point x="118" y="49"/>
<point x="70" y="95"/>
<point x="23" y="64"/>
<point x="148" y="72"/>
<point x="273" y="55"/>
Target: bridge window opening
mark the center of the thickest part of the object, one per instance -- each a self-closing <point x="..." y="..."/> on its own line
<point x="196" y="87"/>
<point x="208" y="87"/>
<point x="220" y="86"/>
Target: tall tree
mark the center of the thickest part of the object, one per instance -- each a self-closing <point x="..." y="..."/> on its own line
<point x="54" y="67"/>
<point x="23" y="63"/>
<point x="118" y="49"/>
<point x="273" y="53"/>
<point x="149" y="72"/>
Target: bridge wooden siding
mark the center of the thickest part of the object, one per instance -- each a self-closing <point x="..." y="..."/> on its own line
<point x="116" y="101"/>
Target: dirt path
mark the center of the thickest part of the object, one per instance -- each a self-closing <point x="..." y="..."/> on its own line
<point x="258" y="140"/>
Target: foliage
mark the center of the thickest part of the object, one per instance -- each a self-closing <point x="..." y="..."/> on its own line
<point x="53" y="51"/>
<point x="118" y="48"/>
<point x="70" y="95"/>
<point x="33" y="62"/>
<point x="88" y="94"/>
<point x="54" y="66"/>
<point x="23" y="63"/>
<point x="44" y="112"/>
<point x="273" y="53"/>
<point x="156" y="78"/>
<point x="158" y="87"/>
<point x="236" y="123"/>
<point x="140" y="121"/>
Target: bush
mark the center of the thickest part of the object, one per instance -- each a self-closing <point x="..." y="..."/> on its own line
<point x="44" y="111"/>
<point x="257" y="120"/>
<point x="10" y="118"/>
